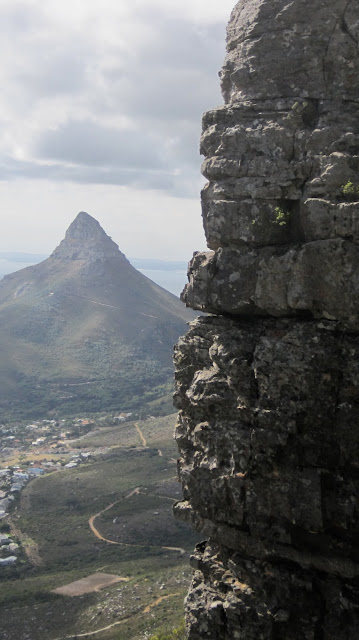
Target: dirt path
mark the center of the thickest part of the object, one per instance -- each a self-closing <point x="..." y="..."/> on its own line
<point x="147" y="609"/>
<point x="111" y="306"/>
<point x="158" y="601"/>
<point x="88" y="634"/>
<point x="96" y="531"/>
<point x="179" y="549"/>
<point x="144" y="441"/>
<point x="98" y="535"/>
<point x="135" y="492"/>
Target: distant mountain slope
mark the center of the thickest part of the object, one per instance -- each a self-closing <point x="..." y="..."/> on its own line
<point x="84" y="329"/>
<point x="169" y="274"/>
<point x="11" y="261"/>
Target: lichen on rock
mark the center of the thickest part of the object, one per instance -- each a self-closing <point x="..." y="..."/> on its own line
<point x="268" y="386"/>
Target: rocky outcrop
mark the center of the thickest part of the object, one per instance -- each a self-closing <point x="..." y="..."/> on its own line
<point x="268" y="387"/>
<point x="283" y="167"/>
<point x="85" y="239"/>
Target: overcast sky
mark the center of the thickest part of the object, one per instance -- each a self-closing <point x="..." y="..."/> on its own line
<point x="101" y="104"/>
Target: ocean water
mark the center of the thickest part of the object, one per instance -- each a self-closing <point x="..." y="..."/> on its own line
<point x="173" y="281"/>
<point x="9" y="266"/>
<point x="170" y="275"/>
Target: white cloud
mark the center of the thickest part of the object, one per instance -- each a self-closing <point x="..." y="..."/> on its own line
<point x="143" y="223"/>
<point x="107" y="92"/>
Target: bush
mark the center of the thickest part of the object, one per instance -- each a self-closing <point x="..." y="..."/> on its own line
<point x="350" y="191"/>
<point x="175" y="634"/>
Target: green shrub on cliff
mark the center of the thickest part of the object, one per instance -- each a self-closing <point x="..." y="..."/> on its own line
<point x="179" y="633"/>
<point x="350" y="191"/>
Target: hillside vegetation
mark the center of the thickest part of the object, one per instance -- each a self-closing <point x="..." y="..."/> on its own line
<point x="53" y="518"/>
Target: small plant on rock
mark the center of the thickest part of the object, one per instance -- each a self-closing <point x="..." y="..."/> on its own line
<point x="350" y="191"/>
<point x="281" y="217"/>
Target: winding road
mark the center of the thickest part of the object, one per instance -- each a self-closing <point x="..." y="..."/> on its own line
<point x="98" y="535"/>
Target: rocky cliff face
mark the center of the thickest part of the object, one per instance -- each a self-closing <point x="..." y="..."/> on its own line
<point x="86" y="240"/>
<point x="268" y="387"/>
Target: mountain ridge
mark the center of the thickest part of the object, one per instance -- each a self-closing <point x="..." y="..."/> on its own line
<point x="85" y="313"/>
<point x="86" y="239"/>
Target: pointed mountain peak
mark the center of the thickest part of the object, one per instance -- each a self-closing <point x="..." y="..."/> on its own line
<point x="85" y="239"/>
<point x="84" y="219"/>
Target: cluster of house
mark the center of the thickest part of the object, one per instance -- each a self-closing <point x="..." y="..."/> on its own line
<point x="38" y="434"/>
<point x="12" y="480"/>
<point x="49" y="433"/>
<point x="9" y="484"/>
<point x="45" y="435"/>
<point x="8" y="550"/>
<point x="75" y="460"/>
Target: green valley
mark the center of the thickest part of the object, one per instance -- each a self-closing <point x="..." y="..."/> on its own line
<point x="126" y="493"/>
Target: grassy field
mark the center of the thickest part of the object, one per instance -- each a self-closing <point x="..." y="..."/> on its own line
<point x="54" y="513"/>
<point x="158" y="431"/>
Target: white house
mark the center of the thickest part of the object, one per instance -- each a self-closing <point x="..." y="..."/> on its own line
<point x="8" y="560"/>
<point x="16" y="487"/>
<point x="35" y="471"/>
<point x="18" y="475"/>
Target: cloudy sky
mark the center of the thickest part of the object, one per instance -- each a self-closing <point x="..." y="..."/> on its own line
<point x="101" y="104"/>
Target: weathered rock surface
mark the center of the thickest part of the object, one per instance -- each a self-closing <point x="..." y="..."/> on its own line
<point x="268" y="391"/>
<point x="269" y="437"/>
<point x="86" y="240"/>
<point x="281" y="48"/>
<point x="279" y="158"/>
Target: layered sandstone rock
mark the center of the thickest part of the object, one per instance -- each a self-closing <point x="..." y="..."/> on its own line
<point x="268" y="390"/>
<point x="280" y="158"/>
